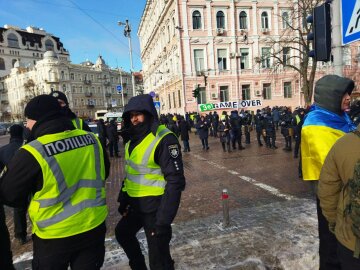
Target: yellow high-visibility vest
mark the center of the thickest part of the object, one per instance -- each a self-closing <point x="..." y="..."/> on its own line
<point x="143" y="177"/>
<point x="72" y="198"/>
<point x="78" y="123"/>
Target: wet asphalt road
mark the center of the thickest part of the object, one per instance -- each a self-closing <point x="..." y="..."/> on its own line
<point x="263" y="187"/>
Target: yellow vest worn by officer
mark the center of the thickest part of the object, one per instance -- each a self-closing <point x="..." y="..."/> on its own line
<point x="72" y="198"/>
<point x="78" y="123"/>
<point x="143" y="177"/>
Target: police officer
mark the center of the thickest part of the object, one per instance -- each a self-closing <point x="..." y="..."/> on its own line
<point x="286" y="125"/>
<point x="151" y="191"/>
<point x="64" y="103"/>
<point x="67" y="207"/>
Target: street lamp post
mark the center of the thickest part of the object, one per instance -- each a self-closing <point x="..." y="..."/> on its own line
<point x="127" y="33"/>
<point x="122" y="89"/>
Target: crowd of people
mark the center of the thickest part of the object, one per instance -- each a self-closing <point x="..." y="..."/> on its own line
<point x="67" y="203"/>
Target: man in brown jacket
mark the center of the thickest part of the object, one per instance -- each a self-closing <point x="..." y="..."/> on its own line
<point x="333" y="193"/>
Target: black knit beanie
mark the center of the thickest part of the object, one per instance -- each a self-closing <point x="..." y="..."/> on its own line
<point x="42" y="106"/>
<point x="16" y="131"/>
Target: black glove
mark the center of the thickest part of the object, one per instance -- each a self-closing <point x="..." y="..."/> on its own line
<point x="124" y="203"/>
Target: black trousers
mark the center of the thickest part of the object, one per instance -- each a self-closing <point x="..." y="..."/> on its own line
<point x="327" y="243"/>
<point x="85" y="251"/>
<point x="159" y="250"/>
<point x="5" y="246"/>
<point x="347" y="260"/>
<point x="20" y="222"/>
<point x="258" y="136"/>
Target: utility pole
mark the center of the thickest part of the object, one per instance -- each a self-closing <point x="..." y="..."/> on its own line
<point x="122" y="90"/>
<point x="336" y="37"/>
<point x="127" y="33"/>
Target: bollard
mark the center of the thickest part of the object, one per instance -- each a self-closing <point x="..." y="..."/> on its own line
<point x="225" y="204"/>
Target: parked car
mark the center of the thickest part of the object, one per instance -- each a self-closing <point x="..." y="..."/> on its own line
<point x="2" y="130"/>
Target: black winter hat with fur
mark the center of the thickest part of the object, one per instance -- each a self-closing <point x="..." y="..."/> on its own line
<point x="41" y="107"/>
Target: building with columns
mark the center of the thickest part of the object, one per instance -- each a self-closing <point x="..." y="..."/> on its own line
<point x="89" y="87"/>
<point x="223" y="48"/>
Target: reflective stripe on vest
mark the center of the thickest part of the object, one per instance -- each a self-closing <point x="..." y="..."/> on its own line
<point x="65" y="193"/>
<point x="142" y="169"/>
<point x="298" y="119"/>
<point x="77" y="123"/>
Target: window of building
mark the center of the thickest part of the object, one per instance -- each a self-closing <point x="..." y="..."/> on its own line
<point x="169" y="99"/>
<point x="286" y="56"/>
<point x="13" y="62"/>
<point x="2" y="64"/>
<point x="265" y="57"/>
<point x="243" y="20"/>
<point x="173" y="24"/>
<point x="266" y="91"/>
<point x="72" y="76"/>
<point x="80" y="89"/>
<point x="222" y="59"/>
<point x="220" y="19"/>
<point x="244" y="58"/>
<point x="179" y="97"/>
<point x="285" y="20"/>
<point x="202" y="96"/>
<point x="199" y="60"/>
<point x="62" y="75"/>
<point x="224" y="93"/>
<point x="264" y="20"/>
<point x="287" y="90"/>
<point x="174" y="99"/>
<point x="49" y="45"/>
<point x="13" y="40"/>
<point x="245" y="92"/>
<point x="196" y="17"/>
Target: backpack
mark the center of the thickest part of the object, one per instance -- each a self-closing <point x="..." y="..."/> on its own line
<point x="353" y="208"/>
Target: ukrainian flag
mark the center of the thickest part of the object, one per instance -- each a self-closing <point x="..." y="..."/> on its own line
<point x="320" y="131"/>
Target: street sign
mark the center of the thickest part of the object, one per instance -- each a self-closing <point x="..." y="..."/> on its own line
<point x="157" y="104"/>
<point x="152" y="94"/>
<point x="119" y="88"/>
<point x="350" y="18"/>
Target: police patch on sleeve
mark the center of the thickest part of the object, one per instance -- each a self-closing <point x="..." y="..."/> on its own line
<point x="174" y="150"/>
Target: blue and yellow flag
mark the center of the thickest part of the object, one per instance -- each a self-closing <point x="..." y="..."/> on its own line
<point x="320" y="131"/>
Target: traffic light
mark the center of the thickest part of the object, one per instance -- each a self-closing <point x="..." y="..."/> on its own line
<point x="321" y="35"/>
<point x="196" y="91"/>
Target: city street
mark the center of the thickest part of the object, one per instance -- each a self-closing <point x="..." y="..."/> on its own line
<point x="273" y="221"/>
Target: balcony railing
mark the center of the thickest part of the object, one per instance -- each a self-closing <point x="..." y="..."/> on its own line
<point x="107" y="83"/>
<point x="107" y="94"/>
<point x="87" y="82"/>
<point x="88" y="94"/>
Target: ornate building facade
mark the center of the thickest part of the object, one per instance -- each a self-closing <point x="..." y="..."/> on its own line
<point x="89" y="87"/>
<point x="223" y="48"/>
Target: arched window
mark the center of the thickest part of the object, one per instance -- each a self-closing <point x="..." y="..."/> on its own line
<point x="13" y="62"/>
<point x="2" y="64"/>
<point x="285" y="20"/>
<point x="173" y="26"/>
<point x="264" y="20"/>
<point x="13" y="41"/>
<point x="196" y="17"/>
<point x="220" y="19"/>
<point x="243" y="20"/>
<point x="49" y="45"/>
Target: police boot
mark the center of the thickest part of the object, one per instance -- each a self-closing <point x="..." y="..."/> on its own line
<point x="228" y="147"/>
<point x="223" y="146"/>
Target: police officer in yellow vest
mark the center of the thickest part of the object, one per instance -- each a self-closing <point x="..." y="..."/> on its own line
<point x="63" y="171"/>
<point x="64" y="103"/>
<point x="151" y="191"/>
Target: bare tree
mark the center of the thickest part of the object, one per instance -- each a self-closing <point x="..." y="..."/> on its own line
<point x="31" y="90"/>
<point x="294" y="39"/>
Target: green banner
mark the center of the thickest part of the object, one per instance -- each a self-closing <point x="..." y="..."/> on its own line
<point x="206" y="107"/>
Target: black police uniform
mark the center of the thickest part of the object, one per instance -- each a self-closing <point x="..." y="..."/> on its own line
<point x="153" y="213"/>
